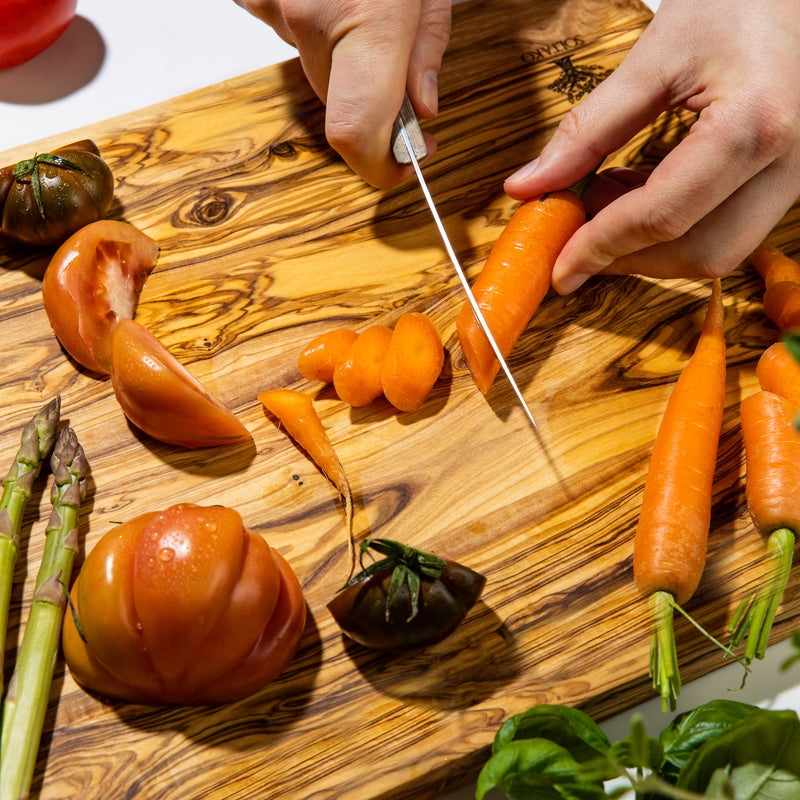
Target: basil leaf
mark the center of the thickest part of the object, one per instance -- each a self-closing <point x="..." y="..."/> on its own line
<point x="690" y="730"/>
<point x="538" y="769"/>
<point x="759" y="757"/>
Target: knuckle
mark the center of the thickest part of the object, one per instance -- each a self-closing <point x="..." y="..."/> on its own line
<point x="661" y="223"/>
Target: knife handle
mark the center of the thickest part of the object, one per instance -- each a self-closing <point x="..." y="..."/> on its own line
<point x="408" y="119"/>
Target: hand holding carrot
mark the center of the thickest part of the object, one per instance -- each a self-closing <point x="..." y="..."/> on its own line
<point x="721" y="190"/>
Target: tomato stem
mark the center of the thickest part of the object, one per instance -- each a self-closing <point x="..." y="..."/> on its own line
<point x="29" y="168"/>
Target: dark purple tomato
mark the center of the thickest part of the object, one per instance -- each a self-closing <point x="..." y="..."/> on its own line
<point x="405" y="601"/>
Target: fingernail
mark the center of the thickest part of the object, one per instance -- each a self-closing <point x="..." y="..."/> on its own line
<point x="569" y="283"/>
<point x="523" y="172"/>
<point x="429" y="92"/>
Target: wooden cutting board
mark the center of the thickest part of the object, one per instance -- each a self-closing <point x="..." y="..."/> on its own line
<point x="267" y="240"/>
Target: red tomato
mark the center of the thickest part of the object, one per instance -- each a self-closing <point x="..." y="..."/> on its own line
<point x="31" y="26"/>
<point x="183" y="606"/>
<point x="93" y="280"/>
<point x="161" y="397"/>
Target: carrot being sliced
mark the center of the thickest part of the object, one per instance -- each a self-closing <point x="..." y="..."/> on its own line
<point x="777" y="371"/>
<point x="515" y="279"/>
<point x="772" y="454"/>
<point x="413" y="361"/>
<point x="295" y="411"/>
<point x="357" y="377"/>
<point x="319" y="358"/>
<point x="671" y="538"/>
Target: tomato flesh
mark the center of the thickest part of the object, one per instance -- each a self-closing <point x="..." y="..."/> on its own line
<point x="94" y="280"/>
<point x="161" y="397"/>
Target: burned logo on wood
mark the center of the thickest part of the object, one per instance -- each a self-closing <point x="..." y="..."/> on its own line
<point x="577" y="81"/>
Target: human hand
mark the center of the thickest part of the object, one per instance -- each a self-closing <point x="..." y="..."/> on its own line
<point x="722" y="189"/>
<point x="360" y="57"/>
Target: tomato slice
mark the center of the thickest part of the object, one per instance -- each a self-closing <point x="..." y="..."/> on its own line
<point x="160" y="397"/>
<point x="94" y="280"/>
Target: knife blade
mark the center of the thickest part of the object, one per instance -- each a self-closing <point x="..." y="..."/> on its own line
<point x="408" y="147"/>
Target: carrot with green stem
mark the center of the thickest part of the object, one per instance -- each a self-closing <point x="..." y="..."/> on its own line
<point x="772" y="456"/>
<point x="516" y="277"/>
<point x="295" y="411"/>
<point x="671" y="537"/>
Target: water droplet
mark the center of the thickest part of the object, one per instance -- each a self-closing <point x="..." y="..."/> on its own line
<point x="166" y="554"/>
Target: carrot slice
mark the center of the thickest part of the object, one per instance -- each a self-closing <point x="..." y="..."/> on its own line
<point x="318" y="360"/>
<point x="295" y="411"/>
<point x="671" y="538"/>
<point x="774" y="266"/>
<point x="413" y="361"/>
<point x="515" y="279"/>
<point x="357" y="378"/>
<point x="772" y="453"/>
<point x="777" y="371"/>
<point x="782" y="304"/>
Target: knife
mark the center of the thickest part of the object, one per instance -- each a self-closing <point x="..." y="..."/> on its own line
<point x="408" y="147"/>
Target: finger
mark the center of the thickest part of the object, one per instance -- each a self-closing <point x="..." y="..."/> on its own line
<point x="718" y="243"/>
<point x="608" y="117"/>
<point x="433" y="34"/>
<point x="704" y="170"/>
<point x="608" y="186"/>
<point x="368" y="70"/>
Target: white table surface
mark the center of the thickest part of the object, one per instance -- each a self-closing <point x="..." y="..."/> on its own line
<point x="119" y="57"/>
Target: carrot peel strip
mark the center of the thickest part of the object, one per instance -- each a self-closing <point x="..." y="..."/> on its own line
<point x="756" y="612"/>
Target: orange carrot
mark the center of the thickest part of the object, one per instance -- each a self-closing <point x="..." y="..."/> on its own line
<point x="319" y="359"/>
<point x="775" y="266"/>
<point x="357" y="378"/>
<point x="772" y="453"/>
<point x="782" y="304"/>
<point x="515" y="279"/>
<point x="777" y="371"/>
<point x="413" y="361"/>
<point x="671" y="537"/>
<point x="295" y="411"/>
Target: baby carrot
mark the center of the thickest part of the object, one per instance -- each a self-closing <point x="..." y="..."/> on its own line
<point x="357" y="377"/>
<point x="782" y="304"/>
<point x="777" y="371"/>
<point x="318" y="360"/>
<point x="671" y="537"/>
<point x="774" y="266"/>
<point x="413" y="361"/>
<point x="772" y="454"/>
<point x="515" y="279"/>
<point x="295" y="411"/>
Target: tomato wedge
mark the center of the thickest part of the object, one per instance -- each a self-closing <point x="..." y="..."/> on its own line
<point x="94" y="280"/>
<point x="160" y="397"/>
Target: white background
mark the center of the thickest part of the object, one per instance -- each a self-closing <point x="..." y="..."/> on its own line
<point x="119" y="57"/>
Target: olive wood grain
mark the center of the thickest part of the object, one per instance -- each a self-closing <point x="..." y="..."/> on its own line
<point x="267" y="240"/>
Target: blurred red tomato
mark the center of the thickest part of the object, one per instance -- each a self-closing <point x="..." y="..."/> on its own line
<point x="162" y="398"/>
<point x="27" y="27"/>
<point x="183" y="606"/>
<point x="93" y="280"/>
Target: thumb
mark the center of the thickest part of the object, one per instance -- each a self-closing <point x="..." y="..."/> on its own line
<point x="433" y="35"/>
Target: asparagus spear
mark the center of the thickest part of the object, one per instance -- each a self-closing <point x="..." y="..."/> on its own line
<point x="36" y="442"/>
<point x="25" y="704"/>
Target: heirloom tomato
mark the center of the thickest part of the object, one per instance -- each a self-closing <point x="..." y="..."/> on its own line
<point x="162" y="398"/>
<point x="49" y="196"/>
<point x="183" y="606"/>
<point x="30" y="26"/>
<point x="94" y="280"/>
<point x="407" y="600"/>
